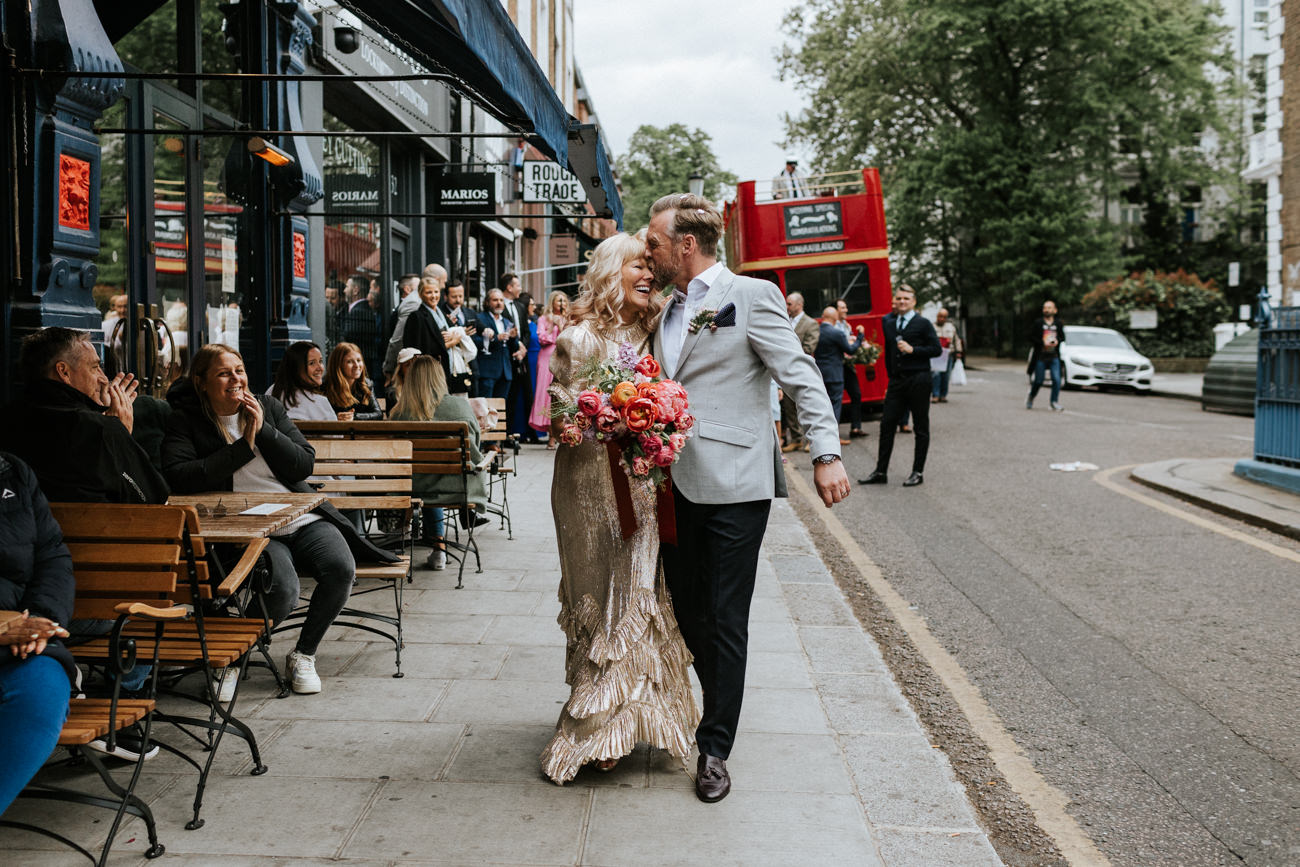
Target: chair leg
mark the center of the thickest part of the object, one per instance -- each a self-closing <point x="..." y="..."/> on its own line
<point x="129" y="801"/>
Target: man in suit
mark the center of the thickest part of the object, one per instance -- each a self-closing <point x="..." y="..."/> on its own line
<point x="497" y="340"/>
<point x="910" y="343"/>
<point x="832" y="347"/>
<point x="805" y="328"/>
<point x="519" y="401"/>
<point x="730" y="469"/>
<point x="408" y="286"/>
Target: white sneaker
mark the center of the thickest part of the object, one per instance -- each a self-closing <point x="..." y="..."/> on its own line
<point x="301" y="670"/>
<point x="127" y="748"/>
<point x="437" y="560"/>
<point x="227" y="679"/>
<point x="1056" y="407"/>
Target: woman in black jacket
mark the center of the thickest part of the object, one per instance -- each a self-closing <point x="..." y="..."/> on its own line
<point x="36" y="671"/>
<point x="222" y="437"/>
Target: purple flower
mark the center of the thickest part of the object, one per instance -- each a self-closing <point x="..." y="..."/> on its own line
<point x="627" y="356"/>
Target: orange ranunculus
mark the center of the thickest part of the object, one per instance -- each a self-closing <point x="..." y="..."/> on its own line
<point x="622" y="393"/>
<point x="649" y="390"/>
<point x="647" y="366"/>
<point x="639" y="414"/>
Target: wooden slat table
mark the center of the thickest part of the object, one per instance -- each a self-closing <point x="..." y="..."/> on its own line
<point x="234" y="527"/>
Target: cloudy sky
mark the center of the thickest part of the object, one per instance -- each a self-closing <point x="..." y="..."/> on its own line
<point x="705" y="63"/>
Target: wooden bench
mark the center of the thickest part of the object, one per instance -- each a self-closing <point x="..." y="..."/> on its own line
<point x="438" y="448"/>
<point x="133" y="579"/>
<point x="370" y="475"/>
<point x="158" y="549"/>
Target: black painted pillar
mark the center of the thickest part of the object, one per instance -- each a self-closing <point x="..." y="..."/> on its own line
<point x="55" y="176"/>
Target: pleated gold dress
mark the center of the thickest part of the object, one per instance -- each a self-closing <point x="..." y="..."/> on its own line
<point x="626" y="662"/>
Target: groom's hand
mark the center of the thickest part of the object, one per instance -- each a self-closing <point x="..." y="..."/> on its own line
<point x="831" y="481"/>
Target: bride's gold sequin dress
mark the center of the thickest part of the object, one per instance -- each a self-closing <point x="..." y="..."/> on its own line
<point x="626" y="662"/>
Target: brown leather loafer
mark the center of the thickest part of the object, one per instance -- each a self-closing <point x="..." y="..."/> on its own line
<point x="712" y="782"/>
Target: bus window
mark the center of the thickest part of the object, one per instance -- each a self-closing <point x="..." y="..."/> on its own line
<point x="822" y="287"/>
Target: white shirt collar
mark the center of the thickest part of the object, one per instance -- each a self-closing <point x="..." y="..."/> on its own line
<point x="797" y="317"/>
<point x="699" y="285"/>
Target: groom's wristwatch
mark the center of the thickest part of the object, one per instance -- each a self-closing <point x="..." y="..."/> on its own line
<point x="826" y="459"/>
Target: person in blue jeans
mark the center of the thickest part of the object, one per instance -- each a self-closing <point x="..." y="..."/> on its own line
<point x="36" y="670"/>
<point x="1046" y="338"/>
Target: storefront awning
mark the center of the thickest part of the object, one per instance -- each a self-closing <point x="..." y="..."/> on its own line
<point x="476" y="41"/>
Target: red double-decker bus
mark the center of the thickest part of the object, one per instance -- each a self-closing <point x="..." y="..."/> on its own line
<point x="824" y="238"/>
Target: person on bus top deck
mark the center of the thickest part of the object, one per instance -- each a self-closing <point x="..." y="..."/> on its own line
<point x="790" y="184"/>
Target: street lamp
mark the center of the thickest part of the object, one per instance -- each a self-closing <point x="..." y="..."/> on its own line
<point x="695" y="183"/>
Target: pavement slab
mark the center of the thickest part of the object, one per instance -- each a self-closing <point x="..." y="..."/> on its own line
<point x="441" y="766"/>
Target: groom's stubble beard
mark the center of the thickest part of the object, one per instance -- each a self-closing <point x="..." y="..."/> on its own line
<point x="667" y="273"/>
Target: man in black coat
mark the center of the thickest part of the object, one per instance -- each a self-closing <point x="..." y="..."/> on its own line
<point x="832" y="347"/>
<point x="910" y="343"/>
<point x="73" y="425"/>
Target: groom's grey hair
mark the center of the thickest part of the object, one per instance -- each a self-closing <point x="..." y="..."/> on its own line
<point x="692" y="215"/>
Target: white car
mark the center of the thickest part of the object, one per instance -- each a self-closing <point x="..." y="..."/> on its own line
<point x="1103" y="356"/>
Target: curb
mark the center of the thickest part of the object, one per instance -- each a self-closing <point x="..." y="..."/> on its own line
<point x="1158" y="477"/>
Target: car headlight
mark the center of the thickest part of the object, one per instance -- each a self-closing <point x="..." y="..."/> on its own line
<point x="1146" y="365"/>
<point x="1079" y="361"/>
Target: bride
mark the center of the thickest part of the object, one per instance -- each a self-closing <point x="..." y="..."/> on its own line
<point x="626" y="661"/>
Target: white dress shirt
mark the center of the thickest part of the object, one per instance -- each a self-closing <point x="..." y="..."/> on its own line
<point x="680" y="314"/>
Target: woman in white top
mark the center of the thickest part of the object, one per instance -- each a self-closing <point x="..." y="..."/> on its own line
<point x="298" y="382"/>
<point x="220" y="437"/>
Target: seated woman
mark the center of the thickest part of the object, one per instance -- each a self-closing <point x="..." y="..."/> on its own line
<point x="424" y="397"/>
<point x="398" y="379"/>
<point x="298" y="382"/>
<point x="36" y="671"/>
<point x="220" y="437"/>
<point x="346" y="386"/>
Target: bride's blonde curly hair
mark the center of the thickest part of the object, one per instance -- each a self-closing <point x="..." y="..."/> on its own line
<point x="601" y="299"/>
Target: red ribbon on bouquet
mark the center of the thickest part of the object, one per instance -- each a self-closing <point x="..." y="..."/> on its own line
<point x="623" y="498"/>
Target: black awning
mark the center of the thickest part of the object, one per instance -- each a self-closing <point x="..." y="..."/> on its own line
<point x="476" y="41"/>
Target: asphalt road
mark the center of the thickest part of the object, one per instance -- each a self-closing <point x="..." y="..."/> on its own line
<point x="1150" y="668"/>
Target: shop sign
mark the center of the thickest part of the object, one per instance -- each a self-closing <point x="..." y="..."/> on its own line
<point x="564" y="250"/>
<point x="465" y="194"/>
<point x="818" y="220"/>
<point x="348" y="193"/>
<point x="421" y="105"/>
<point x="548" y="182"/>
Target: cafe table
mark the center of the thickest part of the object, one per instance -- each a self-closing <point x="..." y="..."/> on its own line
<point x="236" y="516"/>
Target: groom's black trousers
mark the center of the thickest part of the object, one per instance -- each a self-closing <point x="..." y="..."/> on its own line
<point x="710" y="574"/>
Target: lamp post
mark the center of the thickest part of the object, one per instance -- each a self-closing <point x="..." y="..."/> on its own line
<point x="695" y="183"/>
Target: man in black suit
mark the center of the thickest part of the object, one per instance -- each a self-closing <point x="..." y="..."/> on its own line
<point x="910" y="343"/>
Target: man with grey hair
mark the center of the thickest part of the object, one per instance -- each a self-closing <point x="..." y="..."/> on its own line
<point x="497" y="340"/>
<point x="409" y="303"/>
<point x="730" y="469"/>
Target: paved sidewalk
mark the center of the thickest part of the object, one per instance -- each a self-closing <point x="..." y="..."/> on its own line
<point x="441" y="767"/>
<point x="1211" y="483"/>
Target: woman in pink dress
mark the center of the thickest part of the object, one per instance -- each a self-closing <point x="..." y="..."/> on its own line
<point x="549" y="326"/>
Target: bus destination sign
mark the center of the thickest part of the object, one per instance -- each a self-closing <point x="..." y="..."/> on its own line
<point x="813" y="220"/>
<point x="814" y="247"/>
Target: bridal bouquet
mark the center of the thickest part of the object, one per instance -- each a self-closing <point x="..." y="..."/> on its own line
<point x="866" y="354"/>
<point x="628" y="406"/>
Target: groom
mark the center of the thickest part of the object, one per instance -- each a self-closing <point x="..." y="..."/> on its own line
<point x="724" y="337"/>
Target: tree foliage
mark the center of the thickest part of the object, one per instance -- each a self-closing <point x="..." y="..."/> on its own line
<point x="998" y="126"/>
<point x="660" y="160"/>
<point x="1186" y="306"/>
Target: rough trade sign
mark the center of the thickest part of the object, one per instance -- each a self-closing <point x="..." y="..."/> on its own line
<point x="546" y="182"/>
<point x="466" y="194"/>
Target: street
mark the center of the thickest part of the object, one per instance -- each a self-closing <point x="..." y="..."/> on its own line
<point x="1147" y="666"/>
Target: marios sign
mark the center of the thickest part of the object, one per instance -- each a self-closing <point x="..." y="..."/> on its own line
<point x="549" y="182"/>
<point x="466" y="194"/>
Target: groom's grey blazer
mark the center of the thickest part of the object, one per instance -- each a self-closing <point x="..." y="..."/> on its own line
<point x="733" y="455"/>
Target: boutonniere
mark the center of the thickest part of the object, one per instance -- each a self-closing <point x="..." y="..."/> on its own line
<point x="713" y="319"/>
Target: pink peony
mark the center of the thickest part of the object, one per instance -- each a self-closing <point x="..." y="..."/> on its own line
<point x="641" y="467"/>
<point x="589" y="402"/>
<point x="685" y="422"/>
<point x="664" y="458"/>
<point x="570" y="435"/>
<point x="677" y="442"/>
<point x="607" y="419"/>
<point x="650" y="444"/>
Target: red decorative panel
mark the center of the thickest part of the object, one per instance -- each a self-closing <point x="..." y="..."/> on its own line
<point x="299" y="255"/>
<point x="74" y="192"/>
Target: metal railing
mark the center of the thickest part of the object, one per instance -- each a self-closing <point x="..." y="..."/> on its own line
<point x="809" y="186"/>
<point x="1277" y="390"/>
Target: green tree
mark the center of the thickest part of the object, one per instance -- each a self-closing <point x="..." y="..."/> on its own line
<point x="997" y="125"/>
<point x="660" y="160"/>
